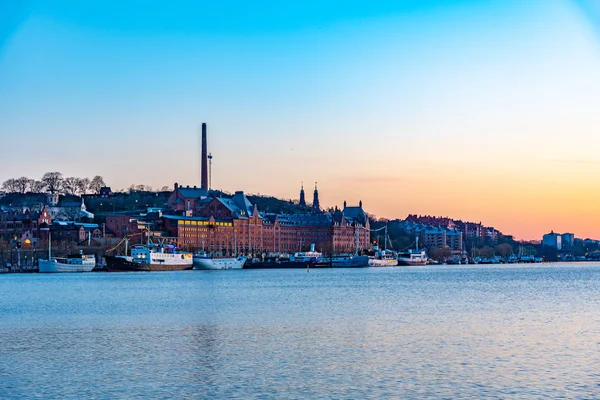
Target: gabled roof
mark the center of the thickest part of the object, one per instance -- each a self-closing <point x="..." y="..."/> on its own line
<point x="192" y="192"/>
<point x="242" y="202"/>
<point x="355" y="214"/>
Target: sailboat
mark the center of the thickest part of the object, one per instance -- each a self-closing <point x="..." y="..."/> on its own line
<point x="385" y="257"/>
<point x="72" y="263"/>
<point x="202" y="260"/>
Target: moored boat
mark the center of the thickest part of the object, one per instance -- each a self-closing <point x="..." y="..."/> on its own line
<point x="124" y="264"/>
<point x="161" y="258"/>
<point x="205" y="261"/>
<point x="71" y="263"/>
<point x="383" y="258"/>
<point x="412" y="257"/>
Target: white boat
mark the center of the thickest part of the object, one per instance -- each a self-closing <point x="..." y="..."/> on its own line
<point x="383" y="258"/>
<point x="307" y="256"/>
<point x="349" y="261"/>
<point x="412" y="257"/>
<point x="205" y="261"/>
<point x="161" y="258"/>
<point x="71" y="263"/>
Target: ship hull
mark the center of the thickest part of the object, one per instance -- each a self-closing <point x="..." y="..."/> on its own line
<point x="208" y="263"/>
<point x="285" y="264"/>
<point x="121" y="264"/>
<point x="382" y="263"/>
<point x="411" y="263"/>
<point x="50" y="266"/>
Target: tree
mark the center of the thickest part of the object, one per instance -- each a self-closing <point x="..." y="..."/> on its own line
<point x="37" y="186"/>
<point x="440" y="253"/>
<point x="96" y="184"/>
<point x="69" y="185"/>
<point x="53" y="180"/>
<point x="10" y="186"/>
<point x="504" y="249"/>
<point x="83" y="185"/>
<point x="22" y="184"/>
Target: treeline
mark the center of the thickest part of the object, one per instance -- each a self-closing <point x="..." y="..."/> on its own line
<point x="54" y="182"/>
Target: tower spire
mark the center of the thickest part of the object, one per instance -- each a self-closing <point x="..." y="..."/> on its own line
<point x="302" y="199"/>
<point x="316" y="205"/>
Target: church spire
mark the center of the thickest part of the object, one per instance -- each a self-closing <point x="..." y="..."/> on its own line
<point x="302" y="199"/>
<point x="316" y="205"/>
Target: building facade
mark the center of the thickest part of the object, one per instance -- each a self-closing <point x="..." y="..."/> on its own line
<point x="553" y="240"/>
<point x="226" y="226"/>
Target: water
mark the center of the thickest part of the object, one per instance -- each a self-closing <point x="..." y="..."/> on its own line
<point x="427" y="332"/>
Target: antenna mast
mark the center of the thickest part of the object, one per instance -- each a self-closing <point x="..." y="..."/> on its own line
<point x="209" y="171"/>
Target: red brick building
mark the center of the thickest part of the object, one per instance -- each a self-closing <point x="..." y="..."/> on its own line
<point x="187" y="199"/>
<point x="234" y="225"/>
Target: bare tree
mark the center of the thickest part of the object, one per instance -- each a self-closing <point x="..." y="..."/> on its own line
<point x="53" y="180"/>
<point x="143" y="188"/>
<point x="165" y="189"/>
<point x="23" y="184"/>
<point x="96" y="184"/>
<point x="70" y="213"/>
<point x="10" y="186"/>
<point x="69" y="185"/>
<point x="83" y="185"/>
<point x="37" y="186"/>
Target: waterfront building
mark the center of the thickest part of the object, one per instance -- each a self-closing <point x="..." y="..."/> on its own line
<point x="552" y="240"/>
<point x="235" y="226"/>
<point x="187" y="199"/>
<point x="567" y="240"/>
<point x="454" y="240"/>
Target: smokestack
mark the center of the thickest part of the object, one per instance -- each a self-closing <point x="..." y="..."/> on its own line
<point x="204" y="170"/>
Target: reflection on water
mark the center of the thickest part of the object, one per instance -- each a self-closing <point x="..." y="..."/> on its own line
<point x="526" y="332"/>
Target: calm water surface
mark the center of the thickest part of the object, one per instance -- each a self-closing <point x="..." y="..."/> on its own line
<point x="428" y="332"/>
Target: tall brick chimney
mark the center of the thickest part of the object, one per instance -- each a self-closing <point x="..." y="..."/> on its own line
<point x="204" y="170"/>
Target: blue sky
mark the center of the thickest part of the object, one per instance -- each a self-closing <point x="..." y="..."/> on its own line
<point x="372" y="99"/>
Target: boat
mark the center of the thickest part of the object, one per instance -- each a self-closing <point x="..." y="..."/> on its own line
<point x="205" y="261"/>
<point x="346" y="261"/>
<point x="383" y="258"/>
<point x="413" y="256"/>
<point x="284" y="262"/>
<point x="124" y="264"/>
<point x="151" y="257"/>
<point x="301" y="259"/>
<point x="72" y="263"/>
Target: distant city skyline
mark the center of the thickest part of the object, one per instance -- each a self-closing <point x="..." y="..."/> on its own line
<point x="481" y="111"/>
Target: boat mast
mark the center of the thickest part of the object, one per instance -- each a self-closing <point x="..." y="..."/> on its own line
<point x="49" y="243"/>
<point x="126" y="243"/>
<point x="234" y="243"/>
<point x="356" y="240"/>
<point x="385" y="238"/>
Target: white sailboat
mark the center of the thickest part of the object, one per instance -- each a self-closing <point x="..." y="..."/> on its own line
<point x="385" y="257"/>
<point x="72" y="263"/>
<point x="202" y="260"/>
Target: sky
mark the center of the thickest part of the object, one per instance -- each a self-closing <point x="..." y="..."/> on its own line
<point x="480" y="110"/>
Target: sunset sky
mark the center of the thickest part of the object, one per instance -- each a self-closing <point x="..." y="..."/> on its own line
<point x="478" y="110"/>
